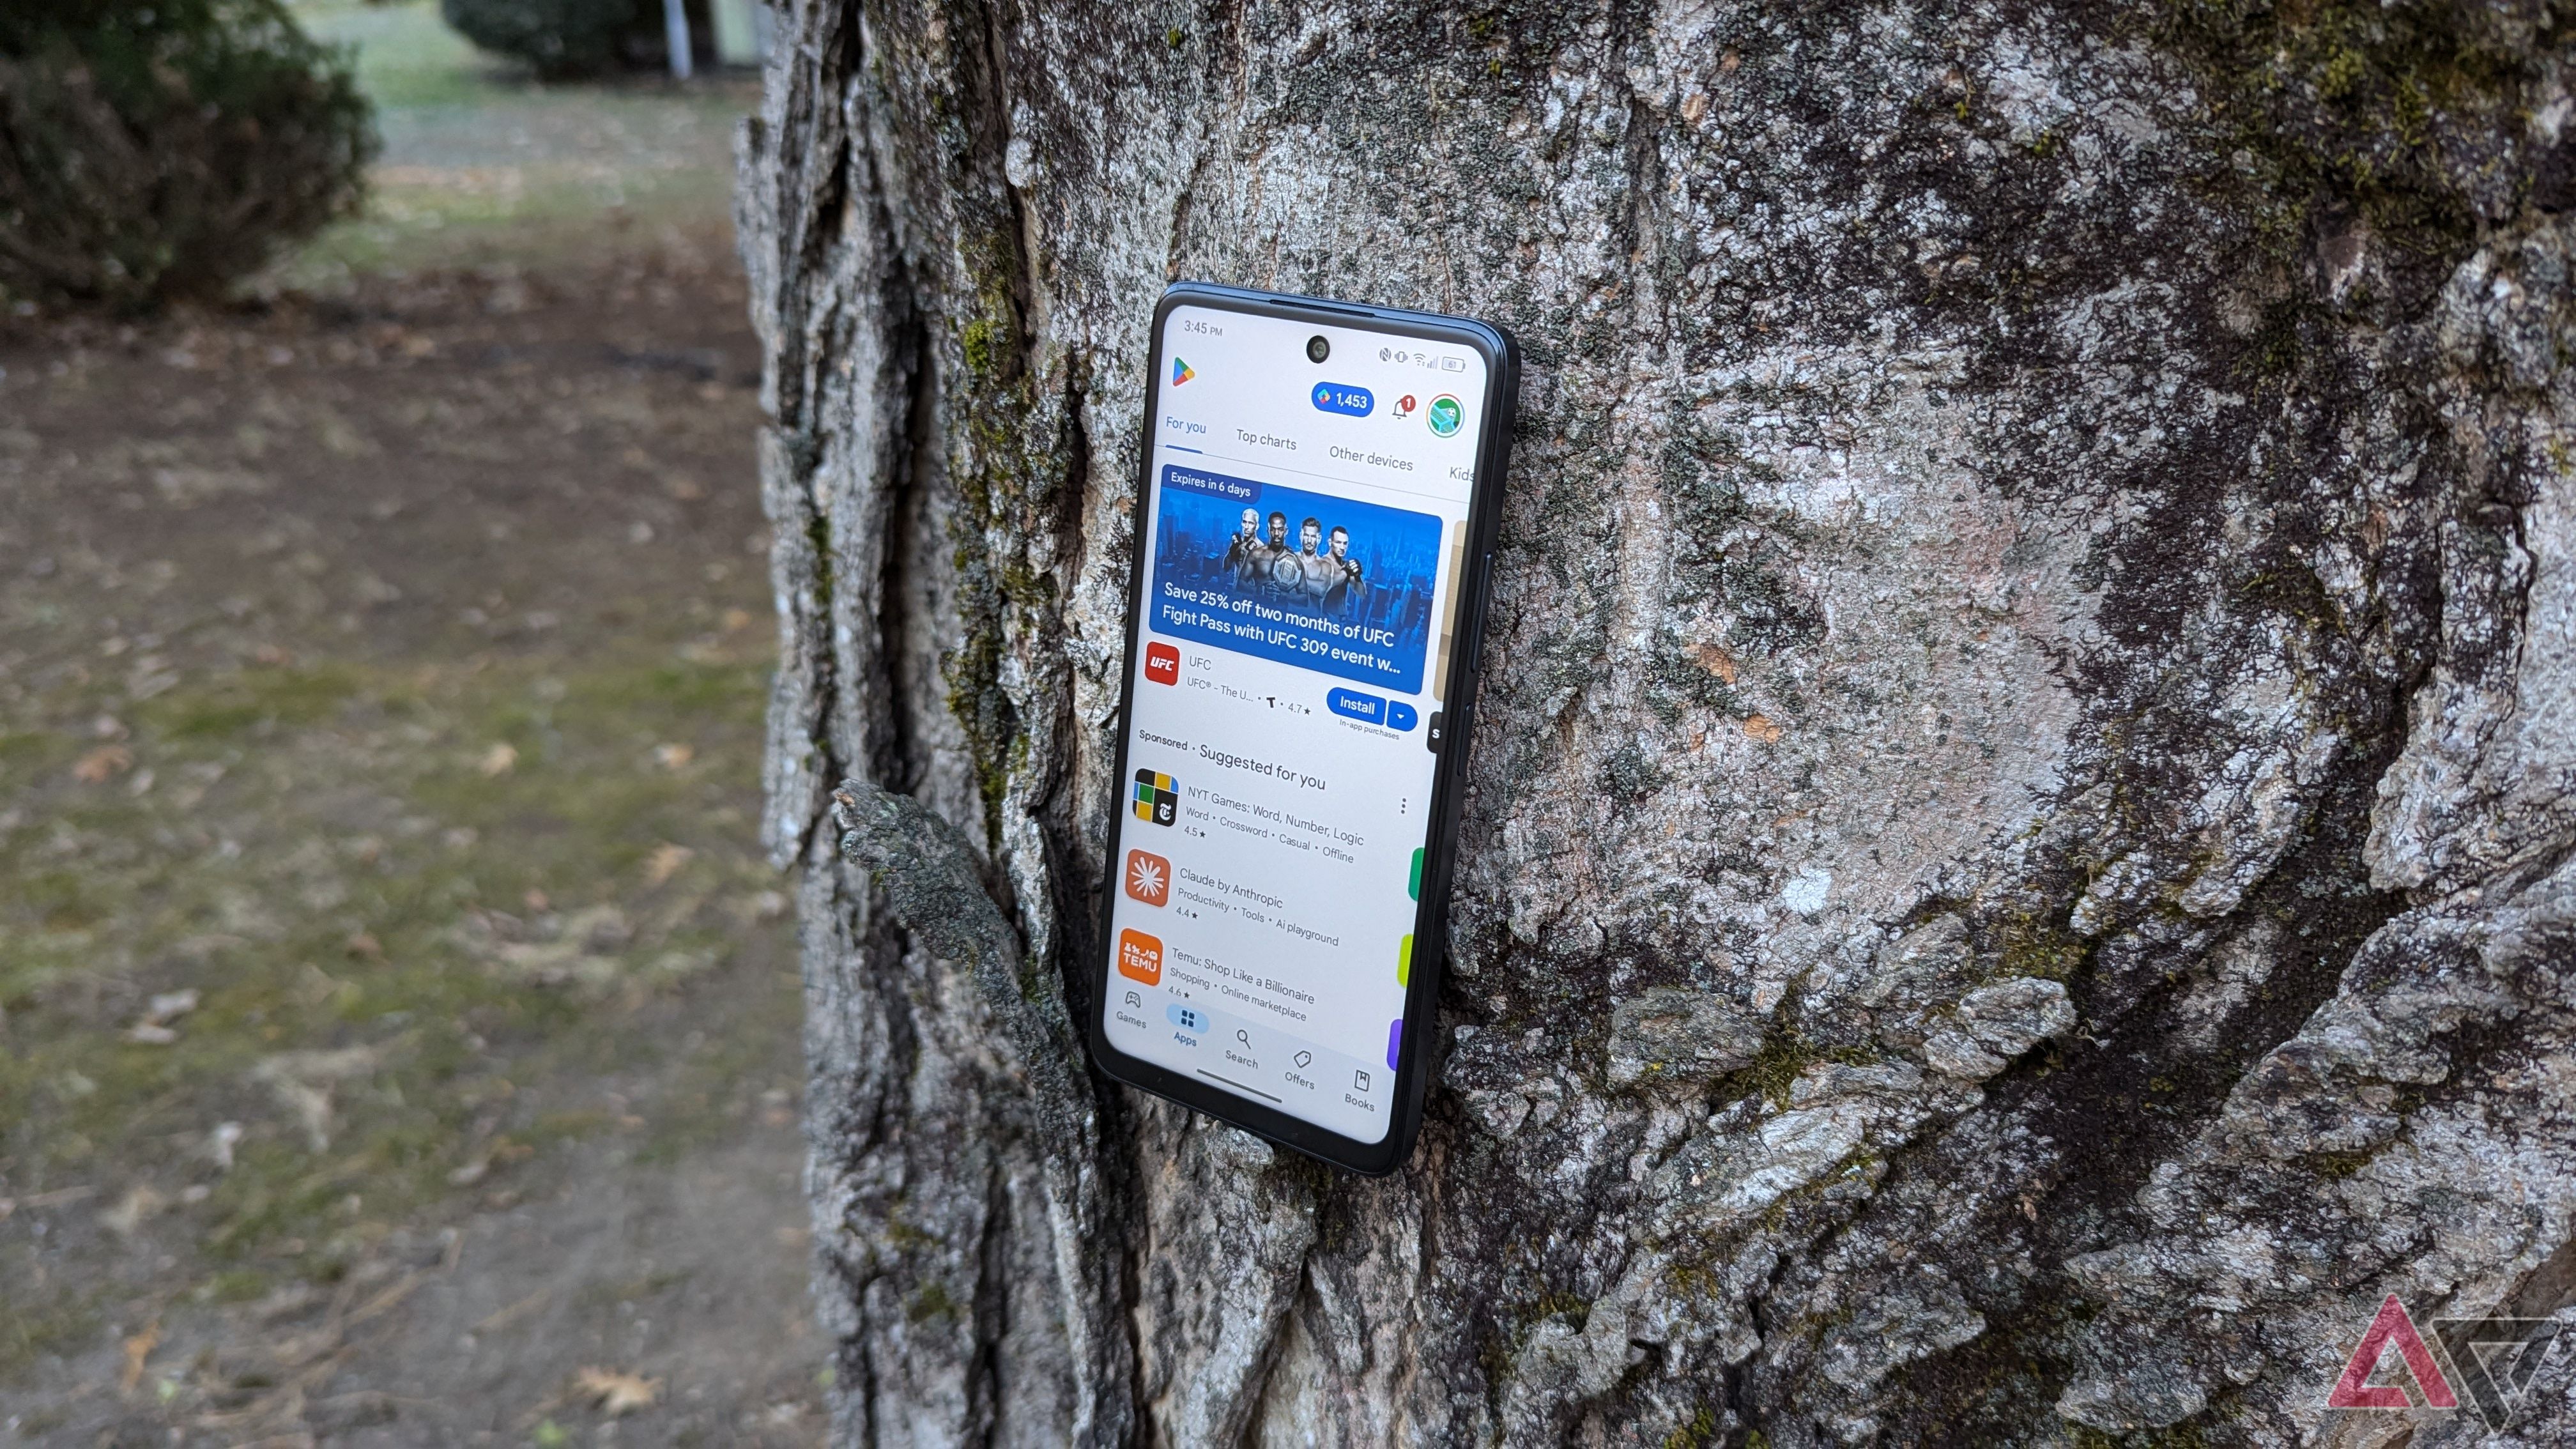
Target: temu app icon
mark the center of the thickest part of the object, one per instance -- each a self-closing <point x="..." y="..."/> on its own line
<point x="1157" y="798"/>
<point x="1140" y="957"/>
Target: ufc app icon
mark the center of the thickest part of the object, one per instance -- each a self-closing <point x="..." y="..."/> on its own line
<point x="1149" y="878"/>
<point x="1162" y="664"/>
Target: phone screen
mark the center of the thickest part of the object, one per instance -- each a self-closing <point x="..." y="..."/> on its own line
<point x="1307" y="532"/>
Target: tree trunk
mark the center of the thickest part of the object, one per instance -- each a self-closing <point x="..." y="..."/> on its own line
<point x="2017" y="868"/>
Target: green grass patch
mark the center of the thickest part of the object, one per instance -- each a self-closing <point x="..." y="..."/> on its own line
<point x="349" y="893"/>
<point x="255" y="699"/>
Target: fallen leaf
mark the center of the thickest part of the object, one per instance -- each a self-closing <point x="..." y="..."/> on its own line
<point x="129" y="1215"/>
<point x="1715" y="659"/>
<point x="666" y="861"/>
<point x="137" y="1349"/>
<point x="498" y="760"/>
<point x="1761" y="728"/>
<point x="673" y="756"/>
<point x="617" y="1393"/>
<point x="103" y="764"/>
<point x="154" y="1028"/>
<point x="171" y="1005"/>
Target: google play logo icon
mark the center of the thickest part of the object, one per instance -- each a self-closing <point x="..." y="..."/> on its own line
<point x="1181" y="372"/>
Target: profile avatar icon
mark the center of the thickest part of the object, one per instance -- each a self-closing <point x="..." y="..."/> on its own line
<point x="1445" y="416"/>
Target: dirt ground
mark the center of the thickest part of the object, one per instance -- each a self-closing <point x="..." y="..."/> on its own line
<point x="398" y="1030"/>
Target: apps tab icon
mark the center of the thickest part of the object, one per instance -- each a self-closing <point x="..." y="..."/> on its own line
<point x="1140" y="957"/>
<point x="1187" y="1018"/>
<point x="1157" y="798"/>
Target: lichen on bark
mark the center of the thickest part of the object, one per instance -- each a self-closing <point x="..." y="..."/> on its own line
<point x="2017" y="874"/>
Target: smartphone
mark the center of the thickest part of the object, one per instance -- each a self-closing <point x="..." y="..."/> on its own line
<point x="1315" y="528"/>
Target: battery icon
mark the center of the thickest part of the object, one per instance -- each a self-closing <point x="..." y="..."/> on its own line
<point x="1452" y="364"/>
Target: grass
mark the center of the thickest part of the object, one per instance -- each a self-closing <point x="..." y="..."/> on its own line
<point x="484" y="167"/>
<point x="341" y="835"/>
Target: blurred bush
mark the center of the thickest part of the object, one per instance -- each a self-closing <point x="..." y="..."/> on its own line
<point x="162" y="149"/>
<point x="573" y="39"/>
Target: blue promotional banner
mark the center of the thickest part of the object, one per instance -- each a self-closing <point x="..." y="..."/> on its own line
<point x="1325" y="583"/>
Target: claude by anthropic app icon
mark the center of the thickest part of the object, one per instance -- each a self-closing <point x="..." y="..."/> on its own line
<point x="1157" y="798"/>
<point x="1148" y="877"/>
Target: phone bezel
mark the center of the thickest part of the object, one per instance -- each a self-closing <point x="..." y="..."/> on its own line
<point x="1430" y="932"/>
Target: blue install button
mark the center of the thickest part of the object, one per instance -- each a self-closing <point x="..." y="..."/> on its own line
<point x="1351" y="704"/>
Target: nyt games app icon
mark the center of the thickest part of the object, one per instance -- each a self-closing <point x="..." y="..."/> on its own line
<point x="1157" y="798"/>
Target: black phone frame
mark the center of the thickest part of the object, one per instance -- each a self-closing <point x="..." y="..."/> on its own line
<point x="1430" y="932"/>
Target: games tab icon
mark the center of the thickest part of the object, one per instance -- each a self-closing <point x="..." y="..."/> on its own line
<point x="1157" y="798"/>
<point x="1148" y="877"/>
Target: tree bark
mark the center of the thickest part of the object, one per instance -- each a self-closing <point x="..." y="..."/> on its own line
<point x="2020" y="861"/>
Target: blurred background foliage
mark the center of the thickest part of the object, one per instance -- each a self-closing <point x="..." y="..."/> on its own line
<point x="152" y="149"/>
<point x="570" y="39"/>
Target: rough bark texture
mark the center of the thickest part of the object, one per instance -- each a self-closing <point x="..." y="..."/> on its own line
<point x="2020" y="865"/>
